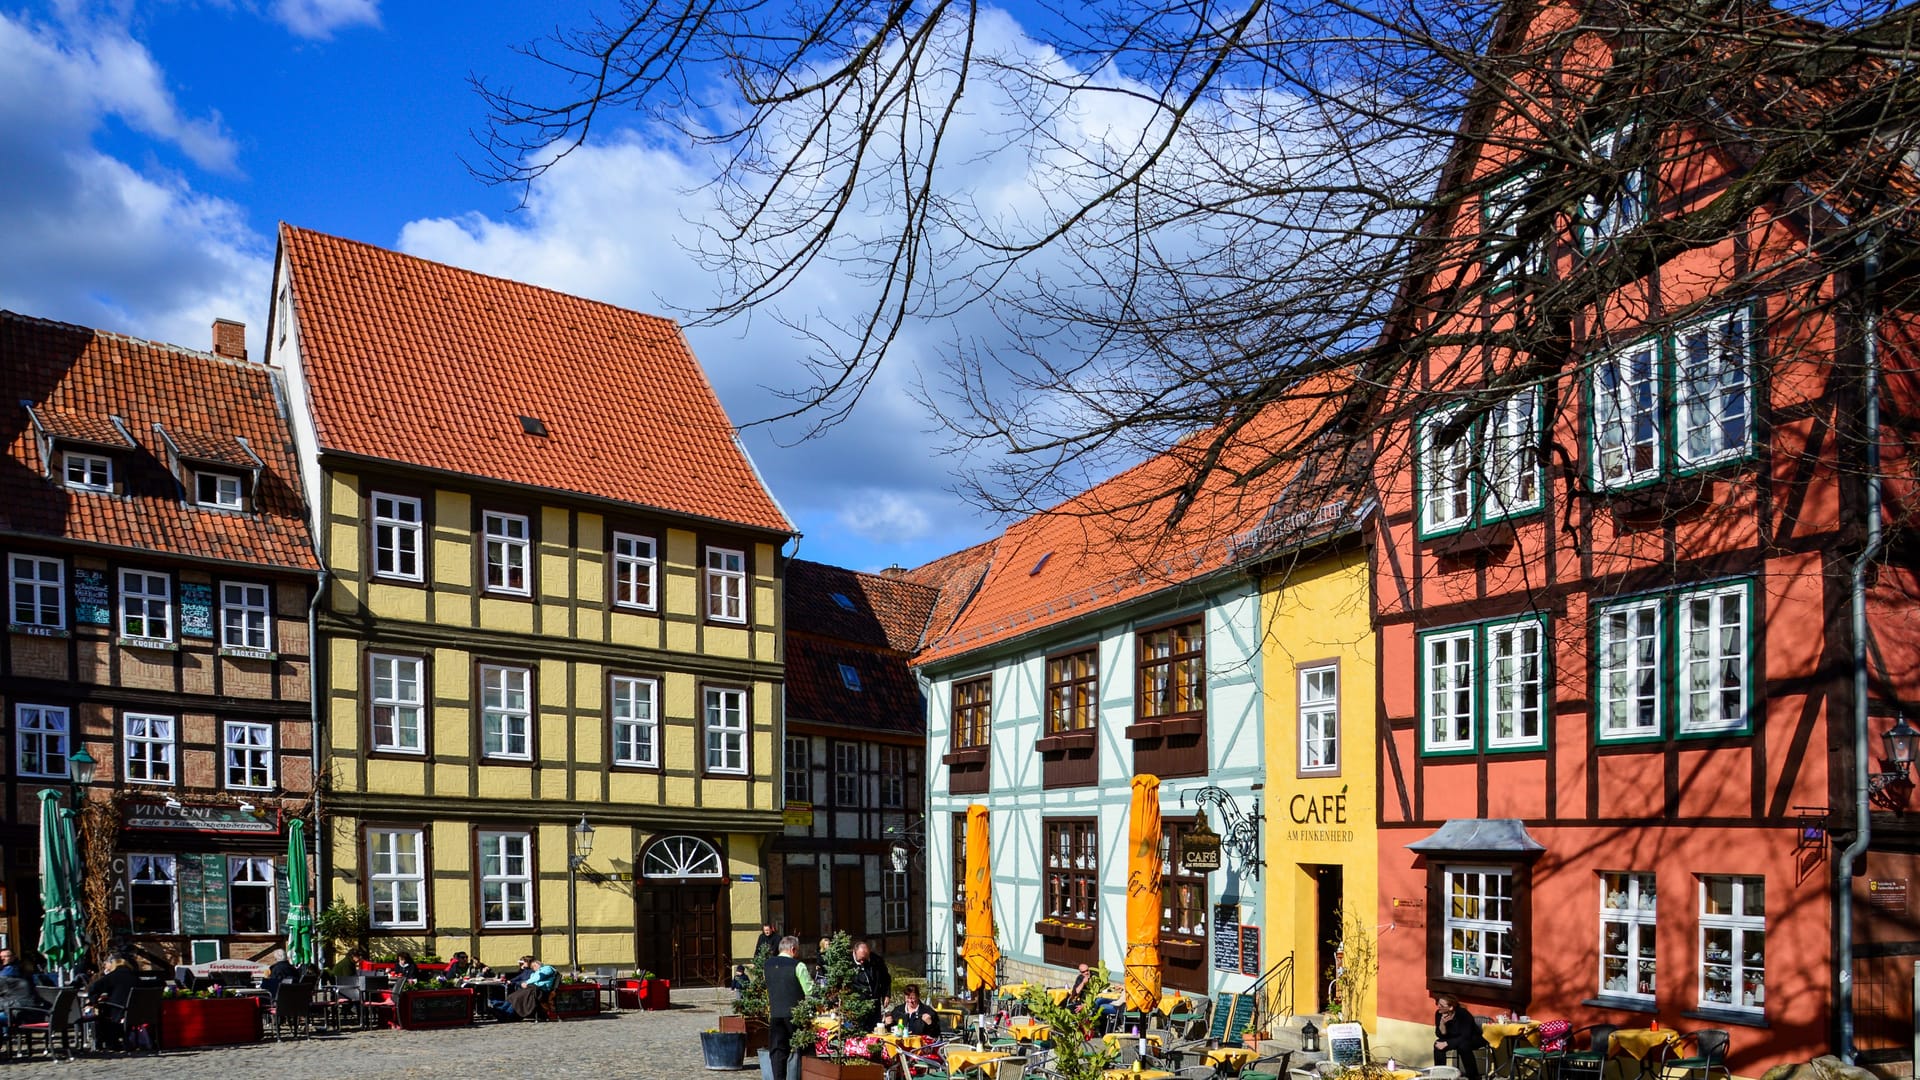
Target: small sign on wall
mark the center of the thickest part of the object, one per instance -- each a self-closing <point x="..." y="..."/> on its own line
<point x="196" y="609"/>
<point x="90" y="597"/>
<point x="1249" y="950"/>
<point x="1888" y="895"/>
<point x="1410" y="913"/>
<point x="1226" y="937"/>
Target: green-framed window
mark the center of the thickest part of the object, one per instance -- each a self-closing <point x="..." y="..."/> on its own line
<point x="1620" y="205"/>
<point x="1676" y="664"/>
<point x="1509" y="258"/>
<point x="1484" y="686"/>
<point x="1673" y="404"/>
<point x="1482" y="472"/>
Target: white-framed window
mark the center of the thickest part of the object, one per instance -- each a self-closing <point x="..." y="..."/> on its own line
<point x="1479" y="924"/>
<point x="508" y="540"/>
<point x="245" y="616"/>
<point x="1628" y="654"/>
<point x="506" y="879"/>
<point x="893" y="901"/>
<point x="1446" y="473"/>
<point x="222" y="491"/>
<point x="1713" y="659"/>
<point x="249" y="749"/>
<point x="1516" y="687"/>
<point x="634" y="570"/>
<point x="1713" y="416"/>
<point x="1627" y="935"/>
<point x="1505" y="207"/>
<point x="1733" y="943"/>
<point x="636" y="725"/>
<point x="726" y="585"/>
<point x="846" y="774"/>
<point x="799" y="770"/>
<point x="506" y="712"/>
<point x="40" y="734"/>
<point x="151" y="894"/>
<point x="39" y="590"/>
<point x="726" y="730"/>
<point x="1512" y="461"/>
<point x="1446" y="665"/>
<point x="149" y="748"/>
<point x="396" y="537"/>
<point x="395" y="705"/>
<point x="87" y="472"/>
<point x="1621" y="203"/>
<point x="1626" y="415"/>
<point x="396" y="879"/>
<point x="893" y="778"/>
<point x="250" y="894"/>
<point x="146" y="605"/>
<point x="1320" y="718"/>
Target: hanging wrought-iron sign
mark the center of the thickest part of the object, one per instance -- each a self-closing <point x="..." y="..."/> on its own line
<point x="1200" y="847"/>
<point x="1240" y="835"/>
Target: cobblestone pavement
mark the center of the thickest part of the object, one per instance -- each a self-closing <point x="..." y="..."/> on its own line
<point x="641" y="1045"/>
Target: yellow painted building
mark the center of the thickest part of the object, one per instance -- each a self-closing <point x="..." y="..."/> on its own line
<point x="1318" y="660"/>
<point x="553" y="597"/>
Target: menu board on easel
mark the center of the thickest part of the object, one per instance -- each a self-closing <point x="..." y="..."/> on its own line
<point x="202" y="881"/>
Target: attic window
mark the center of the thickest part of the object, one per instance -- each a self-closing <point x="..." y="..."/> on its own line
<point x="842" y="599"/>
<point x="533" y="425"/>
<point x="850" y="677"/>
<point x="1037" y="567"/>
<point x="87" y="472"/>
<point x="222" y="491"/>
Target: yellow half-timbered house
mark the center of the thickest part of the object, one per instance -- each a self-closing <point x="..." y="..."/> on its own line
<point x="553" y="597"/>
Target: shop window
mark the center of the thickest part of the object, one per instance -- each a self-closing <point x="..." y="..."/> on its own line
<point x="250" y="894"/>
<point x="1627" y="936"/>
<point x="150" y="894"/>
<point x="1733" y="943"/>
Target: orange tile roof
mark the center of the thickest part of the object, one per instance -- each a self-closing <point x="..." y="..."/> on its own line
<point x="1111" y="544"/>
<point x="73" y="372"/>
<point x="885" y="612"/>
<point x="78" y="427"/>
<point x="213" y="449"/>
<point x="423" y="364"/>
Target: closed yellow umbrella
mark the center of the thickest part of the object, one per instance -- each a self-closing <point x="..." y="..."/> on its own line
<point x="980" y="951"/>
<point x="1143" y="896"/>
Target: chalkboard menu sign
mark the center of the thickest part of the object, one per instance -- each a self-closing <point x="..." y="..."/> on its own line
<point x="196" y="609"/>
<point x="1249" y="950"/>
<point x="1226" y="937"/>
<point x="90" y="598"/>
<point x="437" y="1008"/>
<point x="576" y="999"/>
<point x="202" y="881"/>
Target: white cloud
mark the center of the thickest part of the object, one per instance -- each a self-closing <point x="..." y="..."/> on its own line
<point x="91" y="239"/>
<point x="318" y="19"/>
<point x="886" y="516"/>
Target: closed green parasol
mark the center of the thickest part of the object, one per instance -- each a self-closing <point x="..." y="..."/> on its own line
<point x="301" y="947"/>
<point x="62" y="929"/>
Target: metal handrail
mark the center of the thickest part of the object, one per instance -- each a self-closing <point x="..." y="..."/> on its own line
<point x="1272" y="993"/>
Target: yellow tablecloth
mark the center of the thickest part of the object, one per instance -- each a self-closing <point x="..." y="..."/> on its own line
<point x="1498" y="1033"/>
<point x="911" y="1042"/>
<point x="827" y="1024"/>
<point x="1172" y="1003"/>
<point x="1018" y="989"/>
<point x="1057" y="994"/>
<point x="951" y="1019"/>
<point x="1637" y="1043"/>
<point x="1143" y="1074"/>
<point x="1231" y="1057"/>
<point x="987" y="1061"/>
<point x="1029" y="1032"/>
<point x="1120" y="1038"/>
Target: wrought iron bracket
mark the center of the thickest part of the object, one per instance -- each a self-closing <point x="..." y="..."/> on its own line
<point x="1239" y="833"/>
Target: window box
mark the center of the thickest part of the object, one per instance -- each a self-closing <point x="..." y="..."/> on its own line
<point x="1176" y="949"/>
<point x="972" y="755"/>
<point x="426" y="1010"/>
<point x="1499" y="535"/>
<point x="220" y="1021"/>
<point x="1072" y="740"/>
<point x="1183" y="725"/>
<point x="1082" y="933"/>
<point x="1152" y="729"/>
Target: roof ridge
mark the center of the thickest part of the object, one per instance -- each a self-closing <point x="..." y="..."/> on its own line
<point x="289" y="227"/>
<point x="867" y="574"/>
<point x="132" y="339"/>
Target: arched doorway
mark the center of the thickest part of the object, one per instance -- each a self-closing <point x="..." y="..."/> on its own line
<point x="681" y="910"/>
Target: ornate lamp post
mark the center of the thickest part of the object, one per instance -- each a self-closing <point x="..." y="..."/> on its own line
<point x="579" y="846"/>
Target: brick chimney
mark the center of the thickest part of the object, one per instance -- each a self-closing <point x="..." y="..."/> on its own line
<point x="894" y="571"/>
<point x="230" y="339"/>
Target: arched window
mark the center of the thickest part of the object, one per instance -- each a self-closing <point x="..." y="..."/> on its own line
<point x="681" y="857"/>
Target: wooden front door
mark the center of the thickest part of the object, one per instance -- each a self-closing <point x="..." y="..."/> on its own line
<point x="850" y="901"/>
<point x="803" y="903"/>
<point x="683" y="933"/>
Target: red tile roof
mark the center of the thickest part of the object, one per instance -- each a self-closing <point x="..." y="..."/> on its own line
<point x="78" y="427"/>
<point x="872" y="633"/>
<point x="212" y="449"/>
<point x="1111" y="544"/>
<point x="87" y="376"/>
<point x="424" y="364"/>
<point x="885" y="612"/>
<point x="954" y="577"/>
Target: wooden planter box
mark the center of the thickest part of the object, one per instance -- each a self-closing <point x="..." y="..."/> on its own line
<point x="753" y="1028"/>
<point x="425" y="1010"/>
<point x="812" y="1068"/>
<point x="208" y="1022"/>
<point x="574" y="1000"/>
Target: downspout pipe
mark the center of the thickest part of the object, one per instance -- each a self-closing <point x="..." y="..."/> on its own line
<point x="314" y="705"/>
<point x="1863" y="763"/>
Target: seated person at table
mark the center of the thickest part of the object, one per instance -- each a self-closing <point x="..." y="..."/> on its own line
<point x="916" y="1014"/>
<point x="11" y="968"/>
<point x="405" y="968"/>
<point x="281" y="971"/>
<point x="1455" y="1032"/>
<point x="531" y="986"/>
<point x="112" y="988"/>
<point x="1078" y="991"/>
<point x="459" y="967"/>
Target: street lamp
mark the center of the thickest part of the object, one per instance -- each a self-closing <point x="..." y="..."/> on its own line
<point x="79" y="773"/>
<point x="579" y="846"/>
<point x="1891" y="786"/>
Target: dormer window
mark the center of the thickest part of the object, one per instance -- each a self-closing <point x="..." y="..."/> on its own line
<point x="220" y="491"/>
<point x="87" y="472"/>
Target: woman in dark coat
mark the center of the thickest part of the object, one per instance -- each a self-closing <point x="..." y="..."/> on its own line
<point x="1456" y="1032"/>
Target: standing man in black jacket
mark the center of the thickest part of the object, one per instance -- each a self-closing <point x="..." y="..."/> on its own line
<point x="872" y="983"/>
<point x="787" y="982"/>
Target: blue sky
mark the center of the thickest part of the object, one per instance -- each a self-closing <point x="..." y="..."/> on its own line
<point x="147" y="151"/>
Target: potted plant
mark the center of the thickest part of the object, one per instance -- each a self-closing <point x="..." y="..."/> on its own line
<point x="838" y="1054"/>
<point x="749" y="1017"/>
<point x="724" y="1050"/>
<point x="1073" y="1023"/>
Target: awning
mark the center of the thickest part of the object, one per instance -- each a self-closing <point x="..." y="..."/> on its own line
<point x="1479" y="836"/>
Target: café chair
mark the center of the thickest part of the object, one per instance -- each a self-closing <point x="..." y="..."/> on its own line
<point x="1709" y="1056"/>
<point x="292" y="1007"/>
<point x="1592" y="1060"/>
<point x="1273" y="1067"/>
<point x="62" y="1016"/>
<point x="138" y="1018"/>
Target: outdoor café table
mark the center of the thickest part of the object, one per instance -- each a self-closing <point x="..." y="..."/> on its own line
<point x="951" y="1019"/>
<point x="1642" y="1045"/>
<point x="985" y="1061"/>
<point x="485" y="993"/>
<point x="1058" y="994"/>
<point x="1116" y="1039"/>
<point x="1029" y="1031"/>
<point x="1229" y="1058"/>
<point x="1502" y="1037"/>
<point x="894" y="1042"/>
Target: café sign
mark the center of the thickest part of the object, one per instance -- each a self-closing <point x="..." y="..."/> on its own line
<point x="160" y="817"/>
<point x="1200" y="848"/>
